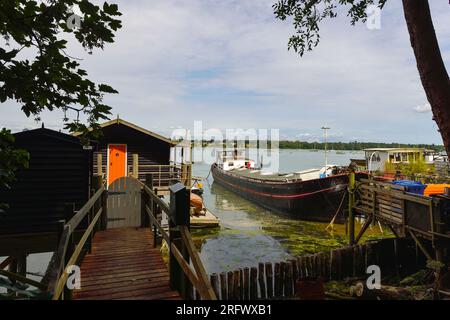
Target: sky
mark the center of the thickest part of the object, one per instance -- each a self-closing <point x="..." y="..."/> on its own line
<point x="226" y="63"/>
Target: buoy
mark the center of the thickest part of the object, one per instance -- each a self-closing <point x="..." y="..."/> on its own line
<point x="196" y="203"/>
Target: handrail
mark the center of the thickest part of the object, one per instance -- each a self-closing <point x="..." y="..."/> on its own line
<point x="155" y="222"/>
<point x="73" y="259"/>
<point x="198" y="276"/>
<point x="57" y="276"/>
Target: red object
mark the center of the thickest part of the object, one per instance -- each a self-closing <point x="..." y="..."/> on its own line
<point x="310" y="289"/>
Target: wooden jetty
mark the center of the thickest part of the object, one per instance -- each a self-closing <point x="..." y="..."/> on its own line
<point x="208" y="220"/>
<point x="124" y="265"/>
<point x="123" y="261"/>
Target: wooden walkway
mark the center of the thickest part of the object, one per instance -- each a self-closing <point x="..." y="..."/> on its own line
<point x="124" y="265"/>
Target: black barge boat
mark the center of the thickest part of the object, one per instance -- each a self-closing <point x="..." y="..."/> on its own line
<point x="303" y="195"/>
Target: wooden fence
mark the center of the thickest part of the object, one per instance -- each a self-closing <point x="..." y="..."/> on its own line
<point x="277" y="280"/>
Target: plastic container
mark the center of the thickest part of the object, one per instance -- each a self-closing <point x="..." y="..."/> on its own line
<point x="411" y="186"/>
<point x="434" y="189"/>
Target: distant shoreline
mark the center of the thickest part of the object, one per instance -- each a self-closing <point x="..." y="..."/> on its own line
<point x="337" y="146"/>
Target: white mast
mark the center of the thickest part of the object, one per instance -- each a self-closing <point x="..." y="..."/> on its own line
<point x="324" y="128"/>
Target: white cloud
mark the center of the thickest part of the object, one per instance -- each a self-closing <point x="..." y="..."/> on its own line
<point x="423" y="108"/>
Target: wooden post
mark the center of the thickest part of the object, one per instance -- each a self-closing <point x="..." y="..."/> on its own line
<point x="351" y="204"/>
<point x="277" y="278"/>
<point x="135" y="165"/>
<point x="230" y="285"/>
<point x="246" y="284"/>
<point x="237" y="285"/>
<point x="253" y="283"/>
<point x="261" y="280"/>
<point x="97" y="183"/>
<point x="214" y="279"/>
<point x="104" y="217"/>
<point x="223" y="286"/>
<point x="269" y="280"/>
<point x="288" y="284"/>
<point x="282" y="277"/>
<point x="179" y="215"/>
<point x="99" y="165"/>
<point x="146" y="200"/>
<point x="22" y="264"/>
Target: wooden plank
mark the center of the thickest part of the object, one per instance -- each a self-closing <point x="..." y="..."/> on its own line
<point x="237" y="285"/>
<point x="277" y="279"/>
<point x="223" y="286"/>
<point x="230" y="285"/>
<point x="137" y="274"/>
<point x="261" y="281"/>
<point x="288" y="284"/>
<point x="269" y="280"/>
<point x="214" y="278"/>
<point x="246" y="284"/>
<point x="6" y="262"/>
<point x="253" y="283"/>
<point x="196" y="261"/>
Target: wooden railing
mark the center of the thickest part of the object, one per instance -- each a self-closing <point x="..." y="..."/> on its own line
<point x="69" y="251"/>
<point x="407" y="214"/>
<point x="163" y="175"/>
<point x="182" y="251"/>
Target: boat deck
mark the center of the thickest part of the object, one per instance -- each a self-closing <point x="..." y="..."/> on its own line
<point x="268" y="176"/>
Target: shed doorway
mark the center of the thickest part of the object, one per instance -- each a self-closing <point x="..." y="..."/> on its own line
<point x="117" y="162"/>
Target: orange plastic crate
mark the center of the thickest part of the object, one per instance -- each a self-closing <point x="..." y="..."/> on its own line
<point x="433" y="189"/>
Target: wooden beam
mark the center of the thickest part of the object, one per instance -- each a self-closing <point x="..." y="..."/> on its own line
<point x="420" y="245"/>
<point x="135" y="165"/>
<point x="197" y="262"/>
<point x="22" y="279"/>
<point x="80" y="215"/>
<point x="155" y="222"/>
<point x="6" y="262"/>
<point x="363" y="229"/>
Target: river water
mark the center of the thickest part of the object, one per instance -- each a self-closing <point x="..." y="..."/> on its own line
<point x="249" y="234"/>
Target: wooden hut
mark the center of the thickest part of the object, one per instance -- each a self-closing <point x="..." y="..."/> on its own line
<point x="126" y="149"/>
<point x="58" y="178"/>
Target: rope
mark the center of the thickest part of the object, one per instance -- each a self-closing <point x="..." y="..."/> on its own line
<point x="331" y="224"/>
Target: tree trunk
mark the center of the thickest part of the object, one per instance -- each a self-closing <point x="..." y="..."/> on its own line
<point x="431" y="67"/>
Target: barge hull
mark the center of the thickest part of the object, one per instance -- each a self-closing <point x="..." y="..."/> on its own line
<point x="312" y="200"/>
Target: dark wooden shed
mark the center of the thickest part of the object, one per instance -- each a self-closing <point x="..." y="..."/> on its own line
<point x="59" y="174"/>
<point x="126" y="149"/>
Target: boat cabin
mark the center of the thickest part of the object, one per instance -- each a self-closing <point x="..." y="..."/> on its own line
<point x="233" y="159"/>
<point x="377" y="158"/>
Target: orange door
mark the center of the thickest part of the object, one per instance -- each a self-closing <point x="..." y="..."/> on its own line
<point x="117" y="162"/>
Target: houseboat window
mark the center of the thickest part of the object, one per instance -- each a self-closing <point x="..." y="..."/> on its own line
<point x="404" y="157"/>
<point x="398" y="157"/>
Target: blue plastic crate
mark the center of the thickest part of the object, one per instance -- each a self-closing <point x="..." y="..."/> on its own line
<point x="411" y="186"/>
